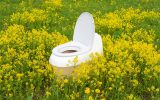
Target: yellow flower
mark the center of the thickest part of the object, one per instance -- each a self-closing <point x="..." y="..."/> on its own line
<point x="75" y="60"/>
<point x="152" y="88"/>
<point x="32" y="16"/>
<point x="40" y="71"/>
<point x="19" y="75"/>
<point x="32" y="86"/>
<point x="97" y="91"/>
<point x="53" y="3"/>
<point x="110" y="88"/>
<point x="57" y="3"/>
<point x="135" y="82"/>
<point x="99" y="83"/>
<point x="26" y="83"/>
<point x="11" y="78"/>
<point x="87" y="90"/>
<point x="66" y="81"/>
<point x="148" y="89"/>
<point x="90" y="98"/>
<point x="157" y="90"/>
<point x="130" y="97"/>
<point x="10" y="95"/>
<point x="121" y="88"/>
<point x="48" y="93"/>
<point x="0" y="58"/>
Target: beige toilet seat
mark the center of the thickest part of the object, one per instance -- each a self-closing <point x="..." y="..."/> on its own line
<point x="70" y="49"/>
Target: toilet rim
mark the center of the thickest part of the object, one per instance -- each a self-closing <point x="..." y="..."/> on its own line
<point x="74" y="47"/>
<point x="74" y="50"/>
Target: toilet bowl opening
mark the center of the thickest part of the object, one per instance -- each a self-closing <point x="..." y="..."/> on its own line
<point x="69" y="51"/>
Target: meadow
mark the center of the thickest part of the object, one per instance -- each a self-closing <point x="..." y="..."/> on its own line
<point x="129" y="69"/>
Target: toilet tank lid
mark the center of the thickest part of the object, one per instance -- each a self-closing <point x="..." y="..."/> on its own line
<point x="84" y="29"/>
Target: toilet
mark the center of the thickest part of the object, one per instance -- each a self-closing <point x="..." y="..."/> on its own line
<point x="85" y="42"/>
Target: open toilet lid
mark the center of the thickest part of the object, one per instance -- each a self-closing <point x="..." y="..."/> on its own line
<point x="84" y="30"/>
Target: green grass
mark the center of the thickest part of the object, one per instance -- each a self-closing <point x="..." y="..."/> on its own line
<point x="71" y="10"/>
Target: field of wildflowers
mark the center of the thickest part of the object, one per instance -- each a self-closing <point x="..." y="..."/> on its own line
<point x="128" y="70"/>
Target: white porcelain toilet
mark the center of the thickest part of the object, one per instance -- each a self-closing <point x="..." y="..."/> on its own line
<point x="85" y="42"/>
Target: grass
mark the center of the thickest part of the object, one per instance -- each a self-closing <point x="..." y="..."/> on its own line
<point x="71" y="10"/>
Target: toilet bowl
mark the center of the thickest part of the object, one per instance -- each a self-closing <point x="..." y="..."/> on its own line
<point x="85" y="42"/>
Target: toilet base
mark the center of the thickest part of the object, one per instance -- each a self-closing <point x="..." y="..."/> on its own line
<point x="64" y="71"/>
